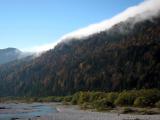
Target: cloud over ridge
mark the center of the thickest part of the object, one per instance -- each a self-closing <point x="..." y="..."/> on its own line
<point x="147" y="9"/>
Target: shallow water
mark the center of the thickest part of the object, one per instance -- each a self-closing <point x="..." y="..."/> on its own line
<point x="25" y="111"/>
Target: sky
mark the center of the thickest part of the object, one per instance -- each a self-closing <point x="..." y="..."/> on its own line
<point x="25" y="24"/>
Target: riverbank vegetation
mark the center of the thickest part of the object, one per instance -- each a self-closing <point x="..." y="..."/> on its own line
<point x="106" y="100"/>
<point x="103" y="101"/>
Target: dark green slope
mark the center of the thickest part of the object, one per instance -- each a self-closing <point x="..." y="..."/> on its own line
<point x="122" y="57"/>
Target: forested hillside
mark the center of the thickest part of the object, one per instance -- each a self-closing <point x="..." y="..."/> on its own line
<point x="126" y="56"/>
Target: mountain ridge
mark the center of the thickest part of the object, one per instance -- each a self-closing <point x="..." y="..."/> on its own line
<point x="12" y="54"/>
<point x="106" y="61"/>
<point x="9" y="54"/>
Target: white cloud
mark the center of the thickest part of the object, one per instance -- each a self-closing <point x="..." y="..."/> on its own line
<point x="41" y="48"/>
<point x="146" y="9"/>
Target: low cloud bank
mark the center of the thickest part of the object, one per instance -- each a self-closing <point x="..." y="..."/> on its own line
<point x="145" y="10"/>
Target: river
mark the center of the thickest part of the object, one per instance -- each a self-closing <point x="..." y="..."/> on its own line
<point x="24" y="111"/>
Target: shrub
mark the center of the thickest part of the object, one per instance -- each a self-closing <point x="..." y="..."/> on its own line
<point x="152" y="96"/>
<point x="157" y="104"/>
<point x="148" y="98"/>
<point x="102" y="104"/>
<point x="67" y="99"/>
<point x="112" y="97"/>
<point x="75" y="99"/>
<point x="141" y="102"/>
<point x="83" y="97"/>
<point x="58" y="99"/>
<point x="96" y="96"/>
<point x="125" y="98"/>
<point x="49" y="99"/>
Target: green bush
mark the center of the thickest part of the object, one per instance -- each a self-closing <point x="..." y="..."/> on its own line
<point x="102" y="104"/>
<point x="111" y="97"/>
<point x="141" y="102"/>
<point x="157" y="104"/>
<point x="68" y="99"/>
<point x="96" y="96"/>
<point x="75" y="99"/>
<point x="148" y="98"/>
<point x="152" y="96"/>
<point x="125" y="99"/>
<point x="58" y="99"/>
<point x="49" y="99"/>
<point x="84" y="97"/>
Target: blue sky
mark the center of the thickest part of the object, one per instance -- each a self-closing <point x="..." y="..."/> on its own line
<point x="28" y="23"/>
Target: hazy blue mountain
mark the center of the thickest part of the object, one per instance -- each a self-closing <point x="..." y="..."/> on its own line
<point x="11" y="54"/>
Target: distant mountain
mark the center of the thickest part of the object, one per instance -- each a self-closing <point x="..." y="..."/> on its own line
<point x="127" y="56"/>
<point x="9" y="54"/>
